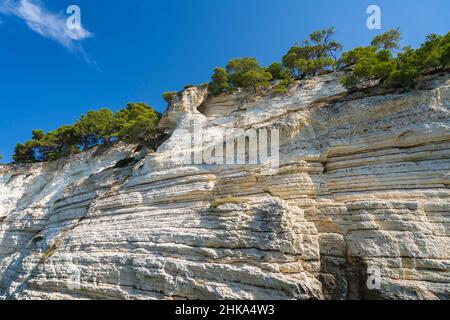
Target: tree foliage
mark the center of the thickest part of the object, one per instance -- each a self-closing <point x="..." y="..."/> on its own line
<point x="279" y="72"/>
<point x="240" y="73"/>
<point x="23" y="153"/>
<point x="406" y="70"/>
<point x="168" y="96"/>
<point x="248" y="73"/>
<point x="382" y="62"/>
<point x="317" y="54"/>
<point x="95" y="127"/>
<point x="434" y="53"/>
<point x="377" y="64"/>
<point x="137" y="123"/>
<point x="220" y="81"/>
<point x="387" y="41"/>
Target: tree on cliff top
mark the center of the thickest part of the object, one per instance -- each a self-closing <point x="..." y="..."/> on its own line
<point x="137" y="123"/>
<point x="95" y="127"/>
<point x="168" y="96"/>
<point x="388" y="41"/>
<point x="248" y="73"/>
<point x="376" y="63"/>
<point x="317" y="54"/>
<point x="240" y="73"/>
<point x="220" y="81"/>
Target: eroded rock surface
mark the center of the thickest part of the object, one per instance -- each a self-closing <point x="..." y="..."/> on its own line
<point x="363" y="182"/>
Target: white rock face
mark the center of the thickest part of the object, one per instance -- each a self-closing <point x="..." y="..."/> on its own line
<point x="362" y="185"/>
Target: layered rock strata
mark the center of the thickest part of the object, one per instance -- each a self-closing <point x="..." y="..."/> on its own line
<point x="361" y="188"/>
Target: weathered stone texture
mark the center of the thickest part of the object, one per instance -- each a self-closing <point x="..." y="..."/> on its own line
<point x="363" y="182"/>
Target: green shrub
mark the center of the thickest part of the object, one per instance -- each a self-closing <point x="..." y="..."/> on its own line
<point x="377" y="63"/>
<point x="313" y="56"/>
<point x="434" y="54"/>
<point x="137" y="123"/>
<point x="279" y="72"/>
<point x="248" y="73"/>
<point x="50" y="251"/>
<point x="220" y="81"/>
<point x="387" y="41"/>
<point x="407" y="70"/>
<point x="282" y="87"/>
<point x="168" y="96"/>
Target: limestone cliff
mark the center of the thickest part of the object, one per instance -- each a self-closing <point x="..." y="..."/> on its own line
<point x="363" y="182"/>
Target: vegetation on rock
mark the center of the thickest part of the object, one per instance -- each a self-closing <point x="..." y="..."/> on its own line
<point x="378" y="64"/>
<point x="382" y="62"/>
<point x="168" y="96"/>
<point x="134" y="124"/>
<point x="317" y="54"/>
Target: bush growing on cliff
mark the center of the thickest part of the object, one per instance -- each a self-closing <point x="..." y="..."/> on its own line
<point x="248" y="73"/>
<point x="220" y="81"/>
<point x="317" y="54"/>
<point x="281" y="87"/>
<point x="168" y="96"/>
<point x="240" y="73"/>
<point x="282" y="75"/>
<point x="382" y="62"/>
<point x="95" y="127"/>
<point x="406" y="72"/>
<point x="204" y="86"/>
<point x="377" y="64"/>
<point x="279" y="72"/>
<point x="53" y="145"/>
<point x="434" y="54"/>
<point x="61" y="142"/>
<point x="387" y="41"/>
<point x="370" y="65"/>
<point x="23" y="153"/>
<point x="352" y="57"/>
<point x="137" y="123"/>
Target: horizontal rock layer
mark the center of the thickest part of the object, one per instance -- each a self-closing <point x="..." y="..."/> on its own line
<point x="362" y="184"/>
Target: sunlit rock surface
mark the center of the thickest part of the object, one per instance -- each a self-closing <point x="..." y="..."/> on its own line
<point x="363" y="182"/>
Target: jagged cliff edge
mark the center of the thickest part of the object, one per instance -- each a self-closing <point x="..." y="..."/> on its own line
<point x="363" y="182"/>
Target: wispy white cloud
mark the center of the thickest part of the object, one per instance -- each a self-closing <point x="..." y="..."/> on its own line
<point x="47" y="24"/>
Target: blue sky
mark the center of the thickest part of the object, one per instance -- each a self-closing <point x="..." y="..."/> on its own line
<point x="136" y="49"/>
